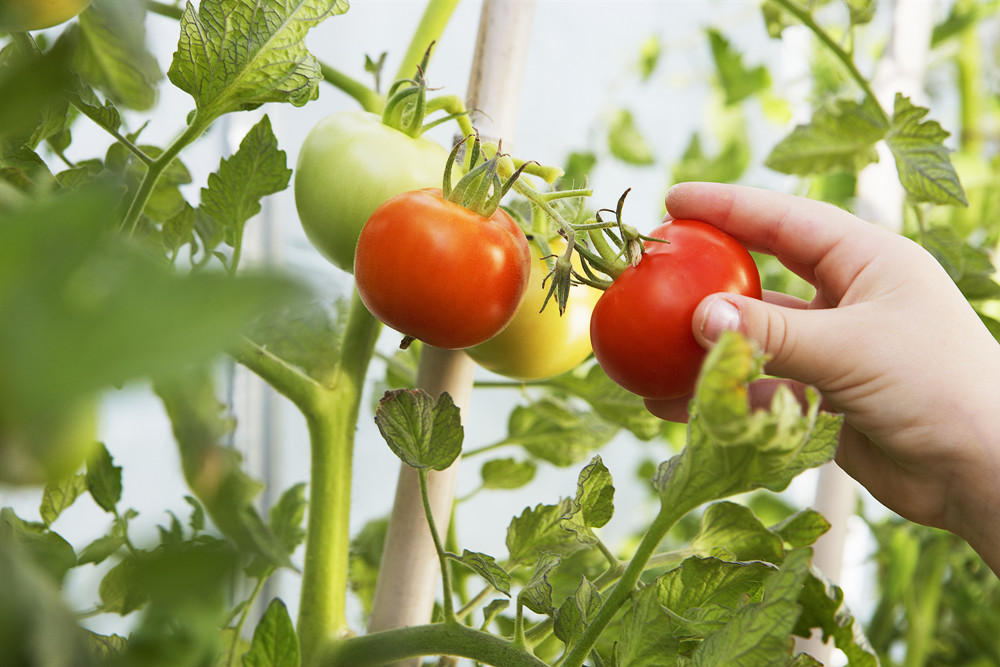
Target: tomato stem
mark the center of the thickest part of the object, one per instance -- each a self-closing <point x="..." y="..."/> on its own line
<point x="447" y="603"/>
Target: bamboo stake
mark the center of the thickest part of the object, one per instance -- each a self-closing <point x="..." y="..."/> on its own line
<point x="408" y="578"/>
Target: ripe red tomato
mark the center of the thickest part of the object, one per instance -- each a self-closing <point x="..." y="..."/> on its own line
<point x="434" y="270"/>
<point x="641" y="326"/>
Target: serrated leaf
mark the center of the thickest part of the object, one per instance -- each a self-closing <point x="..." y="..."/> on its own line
<point x="507" y="473"/>
<point x="925" y="170"/>
<point x="823" y="607"/>
<point x="593" y="506"/>
<point x="105" y="115"/>
<point x="840" y="137"/>
<point x="738" y="82"/>
<point x="552" y="430"/>
<point x="626" y="142"/>
<point x="178" y="230"/>
<point x="112" y="54"/>
<point x="758" y="634"/>
<point x="575" y="613"/>
<point x="307" y="335"/>
<point x="703" y="594"/>
<point x="104" y="479"/>
<point x="536" y="594"/>
<point x="540" y="529"/>
<point x="736" y="529"/>
<point x="486" y="567"/>
<point x="802" y="529"/>
<point x="46" y="549"/>
<point x="609" y="401"/>
<point x="57" y="496"/>
<point x="239" y="54"/>
<point x="646" y="638"/>
<point x="274" y="643"/>
<point x="732" y="449"/>
<point x="421" y="431"/>
<point x="39" y="82"/>
<point x="234" y="191"/>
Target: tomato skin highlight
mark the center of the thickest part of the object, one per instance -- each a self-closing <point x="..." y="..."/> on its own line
<point x="544" y="344"/>
<point x="434" y="270"/>
<point x="349" y="164"/>
<point x="641" y="326"/>
<point x="24" y="15"/>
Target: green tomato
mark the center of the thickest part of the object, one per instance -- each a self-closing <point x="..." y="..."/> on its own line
<point x="49" y="446"/>
<point x="24" y="15"/>
<point x="349" y="165"/>
<point x="544" y="344"/>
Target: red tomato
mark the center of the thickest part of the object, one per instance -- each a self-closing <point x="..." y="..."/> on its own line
<point x="641" y="326"/>
<point x="434" y="270"/>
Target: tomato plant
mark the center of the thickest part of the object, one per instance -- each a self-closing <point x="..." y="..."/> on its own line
<point x="349" y="164"/>
<point x="541" y="343"/>
<point x="641" y="326"/>
<point x="22" y="15"/>
<point x="436" y="271"/>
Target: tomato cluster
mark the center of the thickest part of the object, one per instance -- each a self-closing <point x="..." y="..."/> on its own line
<point x="641" y="326"/>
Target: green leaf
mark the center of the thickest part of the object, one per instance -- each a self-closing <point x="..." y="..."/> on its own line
<point x="197" y="521"/>
<point x="48" y="550"/>
<point x="234" y="192"/>
<point x="307" y="336"/>
<point x="840" y="137"/>
<point x="58" y="495"/>
<point x="970" y="267"/>
<point x="421" y="431"/>
<point x="540" y="529"/>
<point x="536" y="594"/>
<point x="609" y="401"/>
<point x="961" y="17"/>
<point x="823" y="607"/>
<point x="593" y="506"/>
<point x="802" y="529"/>
<point x="213" y="470"/>
<point x="287" y="515"/>
<point x="104" y="479"/>
<point x="507" y="473"/>
<point x="486" y="567"/>
<point x="704" y="594"/>
<point x="235" y="55"/>
<point x="738" y="82"/>
<point x="626" y="142"/>
<point x="726" y="166"/>
<point x="494" y="609"/>
<point x="105" y="115"/>
<point x="861" y="11"/>
<point x="646" y="638"/>
<point x="555" y="432"/>
<point x="735" y="529"/>
<point x="100" y="549"/>
<point x="732" y="449"/>
<point x="112" y="55"/>
<point x="922" y="161"/>
<point x="275" y="643"/>
<point x="758" y="635"/>
<point x="649" y="55"/>
<point x="39" y="83"/>
<point x="575" y="613"/>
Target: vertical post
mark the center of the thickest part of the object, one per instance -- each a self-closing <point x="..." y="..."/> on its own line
<point x="408" y="578"/>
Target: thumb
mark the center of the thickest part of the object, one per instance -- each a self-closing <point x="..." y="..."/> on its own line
<point x="797" y="341"/>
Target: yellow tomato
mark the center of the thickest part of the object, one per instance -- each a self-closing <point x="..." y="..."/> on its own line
<point x="538" y="345"/>
<point x="24" y="15"/>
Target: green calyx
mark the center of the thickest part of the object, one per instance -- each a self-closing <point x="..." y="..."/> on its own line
<point x="481" y="189"/>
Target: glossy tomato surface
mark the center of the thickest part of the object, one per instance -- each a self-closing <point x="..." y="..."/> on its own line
<point x="434" y="270"/>
<point x="24" y="15"/>
<point x="349" y="164"/>
<point x="542" y="344"/>
<point x="641" y="326"/>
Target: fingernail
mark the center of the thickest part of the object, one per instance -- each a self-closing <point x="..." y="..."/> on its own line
<point x="721" y="316"/>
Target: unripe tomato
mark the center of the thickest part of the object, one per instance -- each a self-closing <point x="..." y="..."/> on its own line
<point x="438" y="272"/>
<point x="542" y="344"/>
<point x="349" y="164"/>
<point x="641" y="326"/>
<point x="24" y="15"/>
<point x="47" y="447"/>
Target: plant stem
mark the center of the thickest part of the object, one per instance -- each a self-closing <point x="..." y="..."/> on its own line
<point x="664" y="521"/>
<point x="843" y="56"/>
<point x="238" y="630"/>
<point x="163" y="9"/>
<point x="331" y="417"/>
<point x="390" y="646"/>
<point x="429" y="30"/>
<point x="366" y="97"/>
<point x="447" y="603"/>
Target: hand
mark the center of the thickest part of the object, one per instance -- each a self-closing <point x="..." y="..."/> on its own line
<point x="888" y="340"/>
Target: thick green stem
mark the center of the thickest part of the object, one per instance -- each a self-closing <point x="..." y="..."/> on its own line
<point x="366" y="97"/>
<point x="924" y="608"/>
<point x="390" y="646"/>
<point x="664" y="521"/>
<point x="843" y="56"/>
<point x="429" y="30"/>
<point x="331" y="417"/>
